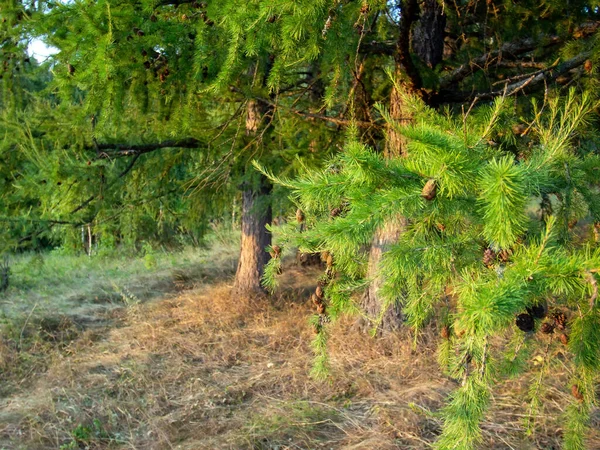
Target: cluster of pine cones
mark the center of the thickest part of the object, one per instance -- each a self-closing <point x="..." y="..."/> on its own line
<point x="557" y="320"/>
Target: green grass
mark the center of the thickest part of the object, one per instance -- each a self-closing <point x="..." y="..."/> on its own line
<point x="58" y="283"/>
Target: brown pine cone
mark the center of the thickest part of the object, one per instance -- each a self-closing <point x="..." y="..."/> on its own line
<point x="564" y="339"/>
<point x="576" y="393"/>
<point x="276" y="251"/>
<point x="489" y="257"/>
<point x="299" y="216"/>
<point x="588" y="66"/>
<point x="547" y="328"/>
<point x="321" y="308"/>
<point x="336" y="212"/>
<point x="504" y="255"/>
<point x="316" y="300"/>
<point x="429" y="190"/>
<point x="329" y="260"/>
<point x="560" y="320"/>
<point x="597" y="231"/>
<point x="319" y="292"/>
<point x="446" y="332"/>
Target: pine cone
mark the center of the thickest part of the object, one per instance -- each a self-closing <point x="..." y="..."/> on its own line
<point x="564" y="339"/>
<point x="547" y="328"/>
<point x="588" y="66"/>
<point x="560" y="320"/>
<point x="489" y="257"/>
<point x="576" y="393"/>
<point x="316" y="300"/>
<point x="336" y="212"/>
<point x="319" y="292"/>
<point x="539" y="311"/>
<point x="429" y="190"/>
<point x="329" y="260"/>
<point x="299" y="216"/>
<point x="275" y="251"/>
<point x="525" y="322"/>
<point x="321" y="308"/>
<point x="70" y="69"/>
<point x="446" y="332"/>
<point x="504" y="255"/>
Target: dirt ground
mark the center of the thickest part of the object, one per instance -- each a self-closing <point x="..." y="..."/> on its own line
<point x="198" y="370"/>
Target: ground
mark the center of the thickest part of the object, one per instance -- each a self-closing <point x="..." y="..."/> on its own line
<point x="178" y="364"/>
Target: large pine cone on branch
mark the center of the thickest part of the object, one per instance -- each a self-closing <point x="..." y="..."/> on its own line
<point x="429" y="190"/>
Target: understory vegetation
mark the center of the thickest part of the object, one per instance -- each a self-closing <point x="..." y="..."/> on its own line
<point x="190" y="369"/>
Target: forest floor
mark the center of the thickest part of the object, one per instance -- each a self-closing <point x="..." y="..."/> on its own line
<point x="177" y="364"/>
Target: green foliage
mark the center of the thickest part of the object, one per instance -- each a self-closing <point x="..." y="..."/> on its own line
<point x="438" y="266"/>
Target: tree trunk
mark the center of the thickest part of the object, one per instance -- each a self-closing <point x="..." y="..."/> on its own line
<point x="427" y="40"/>
<point x="256" y="214"/>
<point x="391" y="319"/>
<point x="428" y="33"/>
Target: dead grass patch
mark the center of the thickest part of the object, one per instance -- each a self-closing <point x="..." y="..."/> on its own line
<point x="201" y="371"/>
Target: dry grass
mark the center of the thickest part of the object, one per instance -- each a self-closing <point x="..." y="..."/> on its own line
<point x="197" y="370"/>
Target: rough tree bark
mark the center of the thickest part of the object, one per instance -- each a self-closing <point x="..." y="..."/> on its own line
<point x="427" y="38"/>
<point x="256" y="214"/>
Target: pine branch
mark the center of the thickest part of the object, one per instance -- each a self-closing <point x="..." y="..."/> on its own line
<point x="378" y="48"/>
<point x="107" y="150"/>
<point x="121" y="175"/>
<point x="512" y="87"/>
<point x="335" y="120"/>
<point x="514" y="49"/>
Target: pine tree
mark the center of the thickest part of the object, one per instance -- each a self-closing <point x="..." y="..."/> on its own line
<point x="474" y="257"/>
